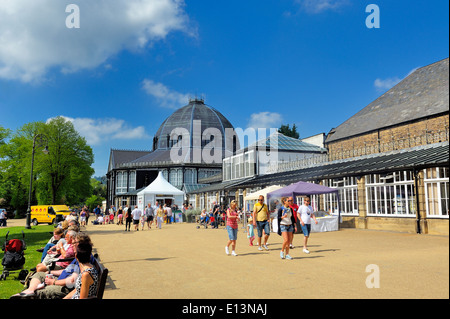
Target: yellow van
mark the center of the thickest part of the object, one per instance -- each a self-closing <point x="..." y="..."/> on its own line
<point x="50" y="214"/>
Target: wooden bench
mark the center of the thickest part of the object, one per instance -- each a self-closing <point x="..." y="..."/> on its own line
<point x="102" y="277"/>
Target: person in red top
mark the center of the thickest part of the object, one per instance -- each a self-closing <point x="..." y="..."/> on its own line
<point x="232" y="228"/>
<point x="294" y="208"/>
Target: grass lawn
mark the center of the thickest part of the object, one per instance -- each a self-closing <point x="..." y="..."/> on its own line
<point x="35" y="238"/>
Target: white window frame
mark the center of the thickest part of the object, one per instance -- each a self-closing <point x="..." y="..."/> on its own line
<point x="227" y="169"/>
<point x="132" y="185"/>
<point x="439" y="177"/>
<point x="393" y="185"/>
<point x="348" y="194"/>
<point x="122" y="179"/>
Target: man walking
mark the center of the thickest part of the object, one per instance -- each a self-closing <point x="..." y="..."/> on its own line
<point x="149" y="213"/>
<point x="136" y="214"/>
<point x="261" y="221"/>
<point x="304" y="214"/>
<point x="215" y="212"/>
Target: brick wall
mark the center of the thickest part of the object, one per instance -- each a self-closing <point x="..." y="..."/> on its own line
<point x="422" y="132"/>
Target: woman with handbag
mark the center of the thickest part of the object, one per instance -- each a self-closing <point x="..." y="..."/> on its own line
<point x="286" y="226"/>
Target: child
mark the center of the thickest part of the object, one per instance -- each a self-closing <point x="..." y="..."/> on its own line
<point x="250" y="232"/>
<point x="143" y="219"/>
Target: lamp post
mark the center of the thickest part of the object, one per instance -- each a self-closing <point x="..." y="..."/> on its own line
<point x="41" y="137"/>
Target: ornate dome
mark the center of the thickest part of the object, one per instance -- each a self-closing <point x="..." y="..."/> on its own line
<point x="194" y="119"/>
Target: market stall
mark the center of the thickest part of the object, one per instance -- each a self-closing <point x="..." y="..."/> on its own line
<point x="250" y="200"/>
<point x="162" y="191"/>
<point x="326" y="222"/>
<point x="253" y="197"/>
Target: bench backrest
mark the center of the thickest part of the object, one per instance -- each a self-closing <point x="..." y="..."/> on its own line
<point x="102" y="276"/>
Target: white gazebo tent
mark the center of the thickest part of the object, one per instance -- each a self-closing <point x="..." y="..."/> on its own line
<point x="159" y="190"/>
<point x="253" y="197"/>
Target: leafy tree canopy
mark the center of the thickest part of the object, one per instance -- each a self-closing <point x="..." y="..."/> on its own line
<point x="285" y="130"/>
<point x="60" y="177"/>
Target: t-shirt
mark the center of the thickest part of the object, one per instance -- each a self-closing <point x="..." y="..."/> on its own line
<point x="251" y="232"/>
<point x="305" y="213"/>
<point x="287" y="220"/>
<point x="70" y="252"/>
<point x="263" y="215"/>
<point x="136" y="213"/>
<point x="149" y="211"/>
<point x="232" y="222"/>
<point x="74" y="267"/>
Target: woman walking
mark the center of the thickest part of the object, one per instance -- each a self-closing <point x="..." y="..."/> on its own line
<point x="286" y="226"/>
<point x="159" y="216"/>
<point x="128" y="219"/>
<point x="120" y="216"/>
<point x="232" y="228"/>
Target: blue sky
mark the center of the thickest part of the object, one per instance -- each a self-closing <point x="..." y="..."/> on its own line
<point x="132" y="63"/>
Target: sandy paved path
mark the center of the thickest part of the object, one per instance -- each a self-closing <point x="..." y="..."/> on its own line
<point x="183" y="262"/>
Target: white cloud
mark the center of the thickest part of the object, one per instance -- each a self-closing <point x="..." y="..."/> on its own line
<point x="34" y="37"/>
<point x="319" y="6"/>
<point x="386" y="84"/>
<point x="165" y="97"/>
<point x="97" y="131"/>
<point x="265" y="120"/>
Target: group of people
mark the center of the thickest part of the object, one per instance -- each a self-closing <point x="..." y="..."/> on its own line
<point x="287" y="216"/>
<point x="163" y="214"/>
<point x="66" y="270"/>
<point x="128" y="216"/>
<point x="216" y="217"/>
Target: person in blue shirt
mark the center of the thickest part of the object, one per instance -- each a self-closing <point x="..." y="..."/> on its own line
<point x="59" y="283"/>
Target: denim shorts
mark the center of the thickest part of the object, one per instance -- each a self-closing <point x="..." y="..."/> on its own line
<point x="287" y="228"/>
<point x="306" y="229"/>
<point x="263" y="225"/>
<point x="232" y="233"/>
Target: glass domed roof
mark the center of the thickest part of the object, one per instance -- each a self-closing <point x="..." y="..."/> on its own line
<point x="194" y="119"/>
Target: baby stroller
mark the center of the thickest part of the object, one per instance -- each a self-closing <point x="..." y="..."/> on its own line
<point x="202" y="221"/>
<point x="14" y="258"/>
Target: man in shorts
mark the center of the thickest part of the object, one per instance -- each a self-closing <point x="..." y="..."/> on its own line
<point x="304" y="214"/>
<point x="149" y="213"/>
<point x="136" y="214"/>
<point x="261" y="221"/>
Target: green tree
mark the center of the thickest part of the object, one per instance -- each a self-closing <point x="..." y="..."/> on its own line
<point x="14" y="179"/>
<point x="5" y="184"/>
<point x="93" y="201"/>
<point x="4" y="133"/>
<point x="285" y="130"/>
<point x="62" y="176"/>
<point x="98" y="188"/>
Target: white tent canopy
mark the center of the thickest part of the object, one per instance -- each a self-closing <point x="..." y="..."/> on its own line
<point x="252" y="197"/>
<point x="159" y="190"/>
<point x="255" y="195"/>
